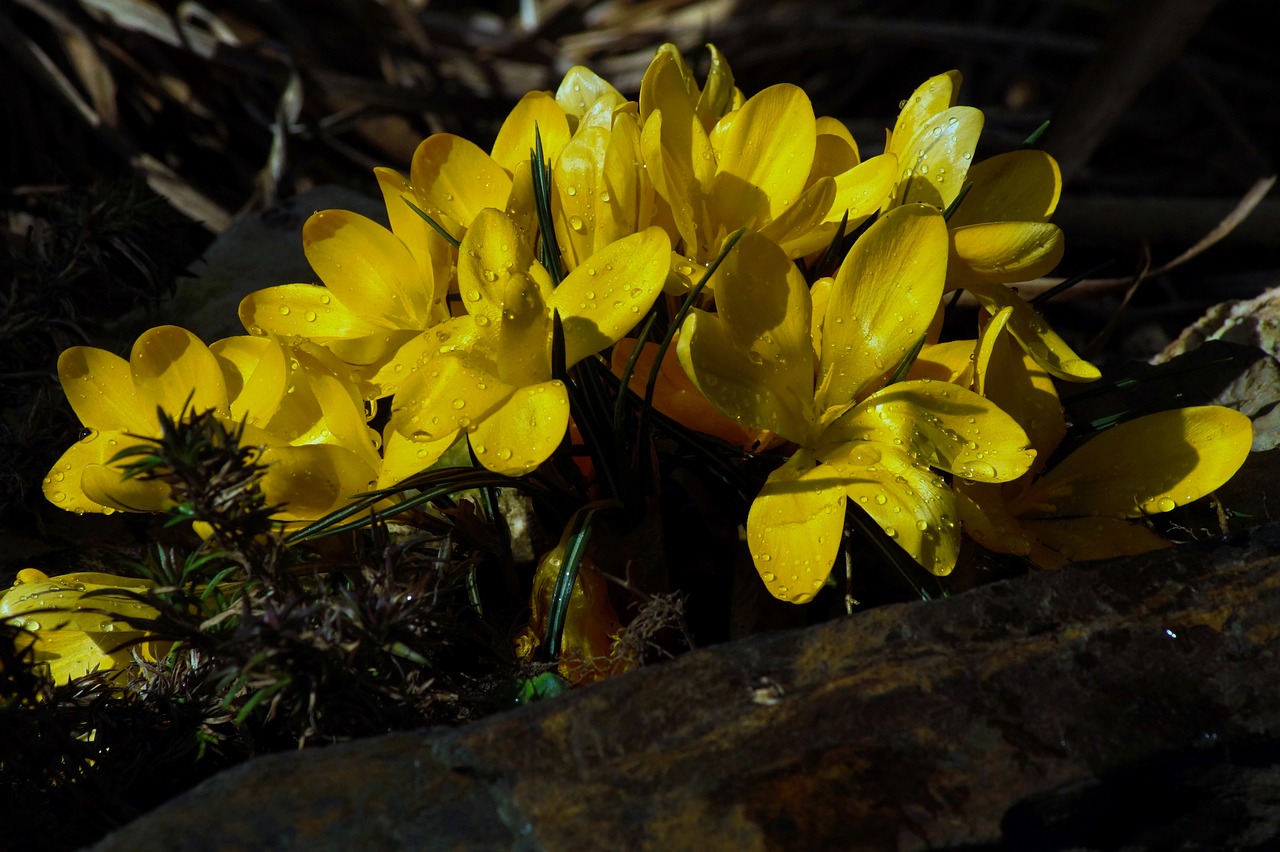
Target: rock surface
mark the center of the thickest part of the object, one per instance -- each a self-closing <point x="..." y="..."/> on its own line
<point x="1128" y="704"/>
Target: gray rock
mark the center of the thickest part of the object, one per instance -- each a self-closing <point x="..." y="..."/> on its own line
<point x="1128" y="704"/>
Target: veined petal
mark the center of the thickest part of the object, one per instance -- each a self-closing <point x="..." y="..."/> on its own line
<point x="580" y="88"/>
<point x="626" y="204"/>
<point x="763" y="157"/>
<point x="171" y="368"/>
<point x="672" y="180"/>
<point x="934" y="163"/>
<point x="524" y="333"/>
<point x="403" y="457"/>
<point x="99" y="386"/>
<point x="603" y="299"/>
<point x="794" y="228"/>
<point x="763" y="301"/>
<point x="1064" y="540"/>
<point x="1030" y="330"/>
<point x="717" y="95"/>
<point x="669" y="88"/>
<point x="750" y="393"/>
<point x="430" y="251"/>
<point x="794" y="528"/>
<point x="493" y="252"/>
<point x="523" y="431"/>
<point x="987" y="519"/>
<point x="934" y="95"/>
<point x="455" y="178"/>
<point x="105" y="488"/>
<point x="64" y="486"/>
<point x="950" y="362"/>
<point x="944" y="426"/>
<point x="882" y="301"/>
<point x="1008" y="251"/>
<point x="911" y="504"/>
<point x="536" y="115"/>
<point x="578" y="174"/>
<point x="860" y="192"/>
<point x="256" y="371"/>
<point x="1014" y="381"/>
<point x="1019" y="186"/>
<point x="313" y="313"/>
<point x="312" y="480"/>
<point x="835" y="151"/>
<point x="1150" y="464"/>
<point x="447" y="393"/>
<point x="362" y="263"/>
<point x="456" y="333"/>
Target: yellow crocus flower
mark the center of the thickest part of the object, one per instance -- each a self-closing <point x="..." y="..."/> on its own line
<point x="80" y="623"/>
<point x="857" y="439"/>
<point x="500" y="390"/>
<point x="292" y="402"/>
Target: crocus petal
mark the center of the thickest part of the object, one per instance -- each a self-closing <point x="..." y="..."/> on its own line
<point x="447" y="393"/>
<point x="746" y="391"/>
<point x="313" y="313"/>
<point x="672" y="179"/>
<point x="944" y="426"/>
<point x="764" y="157"/>
<point x="363" y="264"/>
<point x="793" y="228"/>
<point x="1064" y="540"/>
<point x="1150" y="464"/>
<point x="256" y="372"/>
<point x="524" y="334"/>
<point x="64" y="486"/>
<point x="403" y="457"/>
<point x="523" y="431"/>
<point x="106" y="488"/>
<point x="1008" y="251"/>
<point x="717" y="95"/>
<point x="428" y="247"/>
<point x="1019" y="186"/>
<point x="493" y="252"/>
<point x="911" y="504"/>
<point x="669" y="88"/>
<point x="936" y="160"/>
<point x="454" y="178"/>
<point x="1030" y="330"/>
<point x="578" y="175"/>
<point x="99" y="386"/>
<point x="950" y="362"/>
<point x="794" y="528"/>
<point x="537" y="115"/>
<point x="987" y="520"/>
<point x="171" y="368"/>
<point x="882" y="300"/>
<point x="580" y="88"/>
<point x="313" y="480"/>
<point x="835" y="150"/>
<point x="626" y="202"/>
<point x="934" y="95"/>
<point x="1014" y="381"/>
<point x="604" y="298"/>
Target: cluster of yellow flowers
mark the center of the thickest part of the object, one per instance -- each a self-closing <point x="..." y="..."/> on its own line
<point x="453" y="315"/>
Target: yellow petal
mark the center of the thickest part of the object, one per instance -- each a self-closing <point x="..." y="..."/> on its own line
<point x="672" y="178"/>
<point x="1008" y="251"/>
<point x="944" y="426"/>
<point x="1019" y="186"/>
<point x="794" y="228"/>
<point x="627" y="200"/>
<point x="882" y="301"/>
<point x="950" y="362"/>
<point x="257" y="375"/>
<point x="1014" y="381"/>
<point x="934" y="163"/>
<point x="171" y="368"/>
<point x="313" y="480"/>
<point x="835" y="151"/>
<point x="911" y="504"/>
<point x="103" y="486"/>
<point x="1064" y="540"/>
<point x="794" y="528"/>
<point x="716" y="97"/>
<point x="934" y="95"/>
<point x="524" y="333"/>
<point x="987" y="519"/>
<point x="447" y="393"/>
<point x="747" y="391"/>
<point x="536" y="115"/>
<point x="430" y="251"/>
<point x="99" y="386"/>
<point x="578" y="179"/>
<point x="1030" y="330"/>
<point x="1151" y="464"/>
<point x="64" y="486"/>
<point x="524" y="431"/>
<point x="580" y="88"/>
<point x="364" y="264"/>
<point x="313" y="313"/>
<point x="456" y="179"/>
<point x="493" y="251"/>
<point x="764" y="157"/>
<point x="860" y="192"/>
<point x="403" y="457"/>
<point x="607" y="296"/>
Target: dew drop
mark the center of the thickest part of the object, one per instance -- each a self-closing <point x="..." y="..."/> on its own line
<point x="1166" y="505"/>
<point x="284" y="310"/>
<point x="881" y="499"/>
<point x="459" y="404"/>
